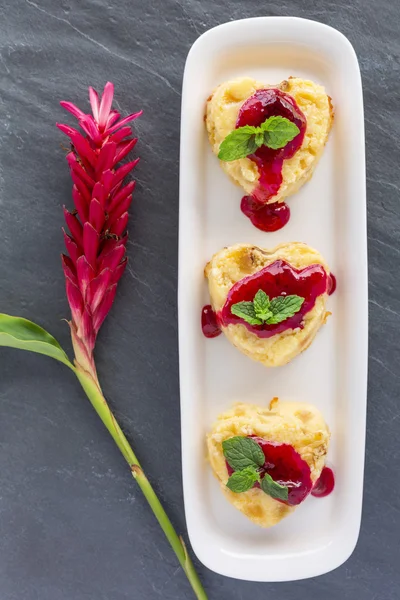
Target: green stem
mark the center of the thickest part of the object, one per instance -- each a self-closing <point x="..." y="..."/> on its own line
<point x="93" y="392"/>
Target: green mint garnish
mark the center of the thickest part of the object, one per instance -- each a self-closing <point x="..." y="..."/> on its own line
<point x="259" y="139"/>
<point x="242" y="452"/>
<point x="262" y="306"/>
<point x="245" y="457"/>
<point x="283" y="307"/>
<point x="275" y="133"/>
<point x="262" y="310"/>
<point x="240" y="143"/>
<point x="243" y="480"/>
<point x="246" y="311"/>
<point x="274" y="489"/>
<point x="278" y="132"/>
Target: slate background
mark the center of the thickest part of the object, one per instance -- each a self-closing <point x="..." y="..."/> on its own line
<point x="72" y="523"/>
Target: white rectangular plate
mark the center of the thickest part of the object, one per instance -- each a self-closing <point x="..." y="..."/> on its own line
<point x="329" y="213"/>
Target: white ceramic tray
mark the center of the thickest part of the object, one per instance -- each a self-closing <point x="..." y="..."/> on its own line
<point x="329" y="213"/>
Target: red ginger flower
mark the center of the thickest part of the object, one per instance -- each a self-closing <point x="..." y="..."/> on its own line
<point x="96" y="244"/>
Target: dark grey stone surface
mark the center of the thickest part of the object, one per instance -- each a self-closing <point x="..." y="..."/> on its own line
<point x="72" y="523"/>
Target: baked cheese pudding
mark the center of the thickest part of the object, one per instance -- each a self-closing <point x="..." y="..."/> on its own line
<point x="270" y="304"/>
<point x="269" y="459"/>
<point x="279" y="135"/>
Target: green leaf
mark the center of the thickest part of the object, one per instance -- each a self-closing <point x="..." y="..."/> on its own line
<point x="274" y="489"/>
<point x="238" y="144"/>
<point x="19" y="333"/>
<point x="261" y="306"/>
<point x="245" y="310"/>
<point x="263" y="310"/>
<point x="283" y="307"/>
<point x="241" y="452"/>
<point x="16" y="332"/>
<point x="259" y="138"/>
<point x="275" y="133"/>
<point x="278" y="131"/>
<point x="242" y="481"/>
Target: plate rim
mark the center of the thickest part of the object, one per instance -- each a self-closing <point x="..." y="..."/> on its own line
<point x="335" y="556"/>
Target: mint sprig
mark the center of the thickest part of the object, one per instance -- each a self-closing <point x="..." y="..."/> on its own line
<point x="242" y="481"/>
<point x="245" y="457"/>
<point x="278" y="131"/>
<point x="246" y="311"/>
<point x="274" y="489"/>
<point x="240" y="143"/>
<point x="262" y="306"/>
<point x="262" y="310"/>
<point x="241" y="452"/>
<point x="283" y="307"/>
<point x="274" y="133"/>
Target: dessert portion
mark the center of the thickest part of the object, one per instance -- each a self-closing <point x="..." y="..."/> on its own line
<point x="269" y="140"/>
<point x="268" y="460"/>
<point x="269" y="303"/>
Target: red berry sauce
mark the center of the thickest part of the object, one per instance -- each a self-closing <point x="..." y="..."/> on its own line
<point x="325" y="484"/>
<point x="277" y="279"/>
<point x="209" y="324"/>
<point x="254" y="111"/>
<point x="286" y="467"/>
<point x="333" y="284"/>
<point x="267" y="217"/>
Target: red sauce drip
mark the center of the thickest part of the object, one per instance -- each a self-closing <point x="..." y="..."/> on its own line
<point x="267" y="217"/>
<point x="325" y="484"/>
<point x="277" y="279"/>
<point x="209" y="324"/>
<point x="286" y="467"/>
<point x="259" y="107"/>
<point x="333" y="284"/>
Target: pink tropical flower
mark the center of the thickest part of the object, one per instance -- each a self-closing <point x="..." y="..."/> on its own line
<point x="96" y="242"/>
<point x="96" y="246"/>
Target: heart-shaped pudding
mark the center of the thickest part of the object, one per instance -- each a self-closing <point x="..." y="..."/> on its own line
<point x="269" y="303"/>
<point x="280" y="133"/>
<point x="268" y="460"/>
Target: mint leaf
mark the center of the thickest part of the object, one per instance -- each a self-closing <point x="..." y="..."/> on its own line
<point x="261" y="306"/>
<point x="245" y="310"/>
<point x="278" y="131"/>
<point x="239" y="143"/>
<point x="274" y="489"/>
<point x="241" y="452"/>
<point x="259" y="139"/>
<point x="241" y="481"/>
<point x="283" y="307"/>
<point x="263" y="310"/>
<point x="275" y="133"/>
